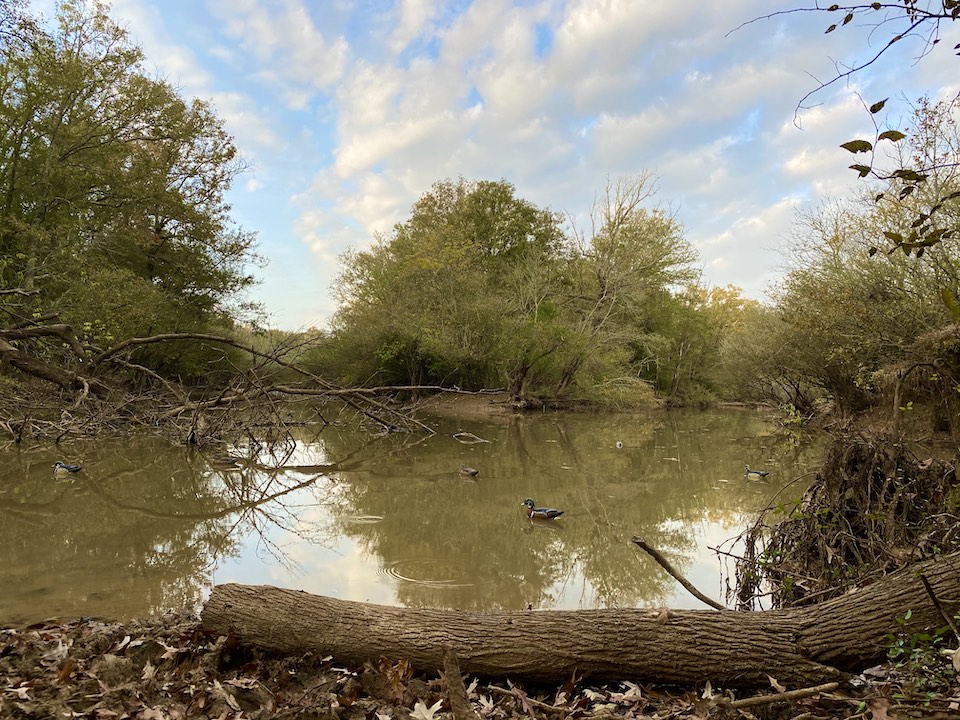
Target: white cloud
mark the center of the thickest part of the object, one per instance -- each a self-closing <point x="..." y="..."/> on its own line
<point x="753" y="234"/>
<point x="286" y="44"/>
<point x="254" y="132"/>
<point x="415" y="16"/>
<point x="355" y="109"/>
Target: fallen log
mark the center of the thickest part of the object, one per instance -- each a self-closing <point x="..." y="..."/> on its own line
<point x="798" y="647"/>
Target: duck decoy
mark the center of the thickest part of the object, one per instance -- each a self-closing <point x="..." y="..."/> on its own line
<point x="62" y="468"/>
<point x="545" y="513"/>
<point x="756" y="474"/>
<point x="469" y="471"/>
<point x="225" y="461"/>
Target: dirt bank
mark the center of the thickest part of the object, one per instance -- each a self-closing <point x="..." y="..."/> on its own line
<point x="492" y="406"/>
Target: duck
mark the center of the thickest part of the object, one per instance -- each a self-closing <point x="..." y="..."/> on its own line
<point x="62" y="468"/>
<point x="756" y="474"/>
<point x="545" y="513"/>
<point x="225" y="461"/>
<point x="471" y="472"/>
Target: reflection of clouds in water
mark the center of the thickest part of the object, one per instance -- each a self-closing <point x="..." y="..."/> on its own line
<point x="337" y="569"/>
<point x="703" y="568"/>
<point x="344" y="572"/>
<point x="573" y="592"/>
<point x="398" y="526"/>
<point x="401" y="544"/>
<point x="314" y="453"/>
<point x="703" y="572"/>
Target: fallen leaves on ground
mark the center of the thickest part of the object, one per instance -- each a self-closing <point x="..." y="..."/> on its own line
<point x="171" y="669"/>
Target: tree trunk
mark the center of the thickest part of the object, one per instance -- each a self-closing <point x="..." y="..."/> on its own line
<point x="803" y="646"/>
<point x="66" y="379"/>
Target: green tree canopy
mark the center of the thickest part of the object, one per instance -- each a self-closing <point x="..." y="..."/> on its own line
<point x="842" y="316"/>
<point x="483" y="289"/>
<point x="112" y="187"/>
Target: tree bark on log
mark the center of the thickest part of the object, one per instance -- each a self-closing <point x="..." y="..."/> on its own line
<point x="802" y="646"/>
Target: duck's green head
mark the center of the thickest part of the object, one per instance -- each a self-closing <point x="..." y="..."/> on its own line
<point x="529" y="502"/>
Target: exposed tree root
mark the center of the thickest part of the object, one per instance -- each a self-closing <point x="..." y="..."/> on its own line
<point x="873" y="508"/>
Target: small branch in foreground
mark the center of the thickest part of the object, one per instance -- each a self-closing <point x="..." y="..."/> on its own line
<point x="940" y="609"/>
<point x="457" y="693"/>
<point x="786" y="695"/>
<point x="535" y="703"/>
<point x="665" y="564"/>
<point x="19" y="291"/>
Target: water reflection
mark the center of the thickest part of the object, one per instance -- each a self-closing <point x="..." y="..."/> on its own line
<point x="145" y="527"/>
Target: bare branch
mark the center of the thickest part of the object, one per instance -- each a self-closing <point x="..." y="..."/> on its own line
<point x="64" y="332"/>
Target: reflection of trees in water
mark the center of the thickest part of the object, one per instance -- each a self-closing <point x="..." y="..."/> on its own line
<point x="143" y="525"/>
<point x="675" y="470"/>
<point x="138" y="530"/>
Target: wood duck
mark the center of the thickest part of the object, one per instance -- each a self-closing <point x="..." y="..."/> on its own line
<point x="545" y="513"/>
<point x="469" y="471"/>
<point x="756" y="474"/>
<point x="62" y="468"/>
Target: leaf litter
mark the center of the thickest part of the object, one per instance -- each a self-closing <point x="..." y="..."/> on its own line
<point x="169" y="668"/>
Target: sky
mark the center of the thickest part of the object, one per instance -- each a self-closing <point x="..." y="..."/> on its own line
<point x="347" y="111"/>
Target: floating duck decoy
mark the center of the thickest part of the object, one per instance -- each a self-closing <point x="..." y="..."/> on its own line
<point x="62" y="468"/>
<point x="469" y="471"/>
<point x="545" y="513"/>
<point x="226" y="461"/>
<point x="756" y="474"/>
<point x="468" y="438"/>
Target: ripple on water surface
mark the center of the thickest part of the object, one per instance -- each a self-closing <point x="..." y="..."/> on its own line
<point x="421" y="571"/>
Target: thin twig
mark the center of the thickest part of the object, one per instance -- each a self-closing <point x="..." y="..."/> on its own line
<point x="536" y="703"/>
<point x="665" y="564"/>
<point x="940" y="609"/>
<point x="786" y="695"/>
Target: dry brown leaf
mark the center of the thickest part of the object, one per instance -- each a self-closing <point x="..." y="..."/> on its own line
<point x="878" y="708"/>
<point x="524" y="701"/>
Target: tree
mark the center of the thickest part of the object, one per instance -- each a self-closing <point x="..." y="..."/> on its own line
<point x="458" y="293"/>
<point x="112" y="187"/>
<point x="625" y="274"/>
<point x="841" y="316"/>
<point x="921" y="19"/>
<point x="691" y="330"/>
<point x="481" y="288"/>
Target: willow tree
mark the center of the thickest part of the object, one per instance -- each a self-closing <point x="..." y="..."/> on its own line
<point x="112" y="187"/>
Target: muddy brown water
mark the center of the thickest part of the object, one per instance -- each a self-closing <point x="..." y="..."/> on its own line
<point x="145" y="527"/>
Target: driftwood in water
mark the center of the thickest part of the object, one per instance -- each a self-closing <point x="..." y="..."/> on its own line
<point x="802" y="646"/>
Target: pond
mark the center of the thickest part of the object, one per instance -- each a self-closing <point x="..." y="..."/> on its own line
<point x="145" y="527"/>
